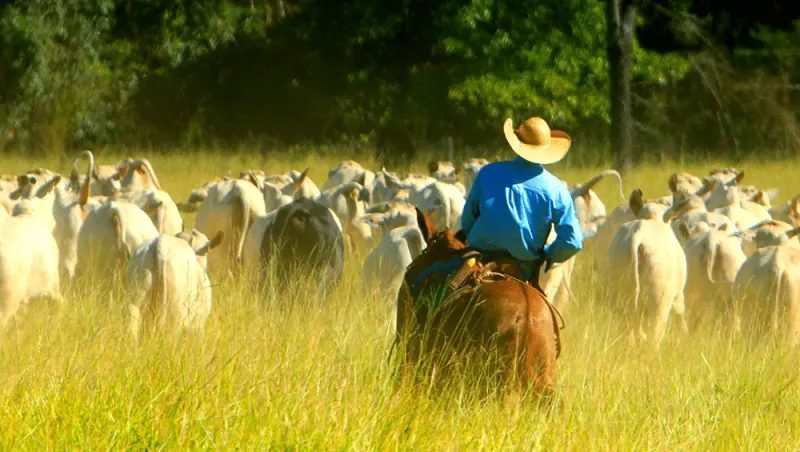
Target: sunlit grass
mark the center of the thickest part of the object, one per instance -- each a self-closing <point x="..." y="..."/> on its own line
<point x="282" y="370"/>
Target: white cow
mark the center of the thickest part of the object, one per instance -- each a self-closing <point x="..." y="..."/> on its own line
<point x="684" y="183"/>
<point x="648" y="265"/>
<point x="159" y="205"/>
<point x="446" y="172"/>
<point x="231" y="207"/>
<point x="28" y="262"/>
<point x="349" y="171"/>
<point x="442" y="202"/>
<point x="402" y="241"/>
<point x="590" y="210"/>
<point x="110" y="233"/>
<point x="71" y="206"/>
<point x="106" y="180"/>
<point x="767" y="287"/>
<point x="788" y="212"/>
<point x="168" y="283"/>
<point x="36" y="188"/>
<point x="471" y="168"/>
<point x="713" y="257"/>
<point x="689" y="209"/>
<point x="348" y="202"/>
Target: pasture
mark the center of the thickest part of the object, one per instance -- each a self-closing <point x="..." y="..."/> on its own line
<point x="278" y="370"/>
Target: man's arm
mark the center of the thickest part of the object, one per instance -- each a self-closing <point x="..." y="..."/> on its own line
<point x="569" y="239"/>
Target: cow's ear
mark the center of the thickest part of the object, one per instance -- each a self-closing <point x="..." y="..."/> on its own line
<point x="761" y="197"/>
<point x="739" y="177"/>
<point x="250" y="177"/>
<point x="425" y="225"/>
<point x="138" y="166"/>
<point x="673" y="182"/>
<point x="51" y="184"/>
<point x="298" y="183"/>
<point x="153" y="206"/>
<point x="794" y="209"/>
<point x="211" y="244"/>
<point x="25" y="179"/>
<point x="636" y="202"/>
<point x="433" y="166"/>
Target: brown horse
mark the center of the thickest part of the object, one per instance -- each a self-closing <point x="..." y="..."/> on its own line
<point x="501" y="315"/>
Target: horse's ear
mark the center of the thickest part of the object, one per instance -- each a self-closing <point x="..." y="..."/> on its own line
<point x="425" y="225"/>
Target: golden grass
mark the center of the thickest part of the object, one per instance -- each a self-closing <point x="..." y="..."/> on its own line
<point x="282" y="371"/>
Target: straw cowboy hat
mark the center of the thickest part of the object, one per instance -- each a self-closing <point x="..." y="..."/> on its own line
<point x="535" y="142"/>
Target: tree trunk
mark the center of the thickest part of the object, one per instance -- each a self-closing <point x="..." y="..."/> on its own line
<point x="621" y="18"/>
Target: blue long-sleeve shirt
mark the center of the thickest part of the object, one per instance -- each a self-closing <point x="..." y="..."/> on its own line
<point x="511" y="207"/>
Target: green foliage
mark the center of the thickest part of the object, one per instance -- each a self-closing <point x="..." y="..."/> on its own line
<point x="400" y="75"/>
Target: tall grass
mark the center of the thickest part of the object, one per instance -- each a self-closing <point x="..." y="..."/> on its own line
<point x="281" y="370"/>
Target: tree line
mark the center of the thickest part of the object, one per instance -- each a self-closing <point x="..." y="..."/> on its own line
<point x="629" y="79"/>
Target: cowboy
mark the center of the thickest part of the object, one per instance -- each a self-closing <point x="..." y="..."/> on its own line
<point x="513" y="205"/>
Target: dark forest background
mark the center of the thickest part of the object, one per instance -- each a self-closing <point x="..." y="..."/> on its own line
<point x="708" y="78"/>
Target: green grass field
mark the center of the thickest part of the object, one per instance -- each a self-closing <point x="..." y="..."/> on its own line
<point x="283" y="372"/>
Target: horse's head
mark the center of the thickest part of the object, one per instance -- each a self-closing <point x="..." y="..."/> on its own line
<point x="439" y="243"/>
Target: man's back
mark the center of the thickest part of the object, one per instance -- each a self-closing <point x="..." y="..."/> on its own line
<point x="511" y="208"/>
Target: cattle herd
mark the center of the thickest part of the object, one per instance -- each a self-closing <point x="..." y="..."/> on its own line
<point x="711" y="245"/>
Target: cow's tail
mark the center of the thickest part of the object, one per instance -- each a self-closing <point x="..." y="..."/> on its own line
<point x="119" y="233"/>
<point x="582" y="189"/>
<point x="243" y="227"/>
<point x="779" y="289"/>
<point x="636" y="258"/>
<point x="710" y="262"/>
<point x="158" y="292"/>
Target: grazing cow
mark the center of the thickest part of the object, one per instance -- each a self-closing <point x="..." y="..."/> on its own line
<point x="36" y="187"/>
<point x="387" y="185"/>
<point x="28" y="262"/>
<point x="442" y="202"/>
<point x="446" y="172"/>
<point x="349" y="171"/>
<point x="157" y="204"/>
<point x="648" y="263"/>
<point x="69" y="211"/>
<point x="348" y="202"/>
<point x="767" y="287"/>
<point x="305" y="239"/>
<point x="503" y="317"/>
<point x="251" y="251"/>
<point x="231" y="207"/>
<point x="128" y="174"/>
<point x="723" y="197"/>
<point x="689" y="209"/>
<point x="589" y="208"/>
<point x="684" y="183"/>
<point x="167" y="281"/>
<point x="198" y="195"/>
<point x="765" y="233"/>
<point x="788" y="212"/>
<point x="471" y="168"/>
<point x="110" y="233"/>
<point x="713" y="257"/>
<point x="400" y="244"/>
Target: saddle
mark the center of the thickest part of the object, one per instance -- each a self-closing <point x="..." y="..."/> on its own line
<point x="473" y="270"/>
